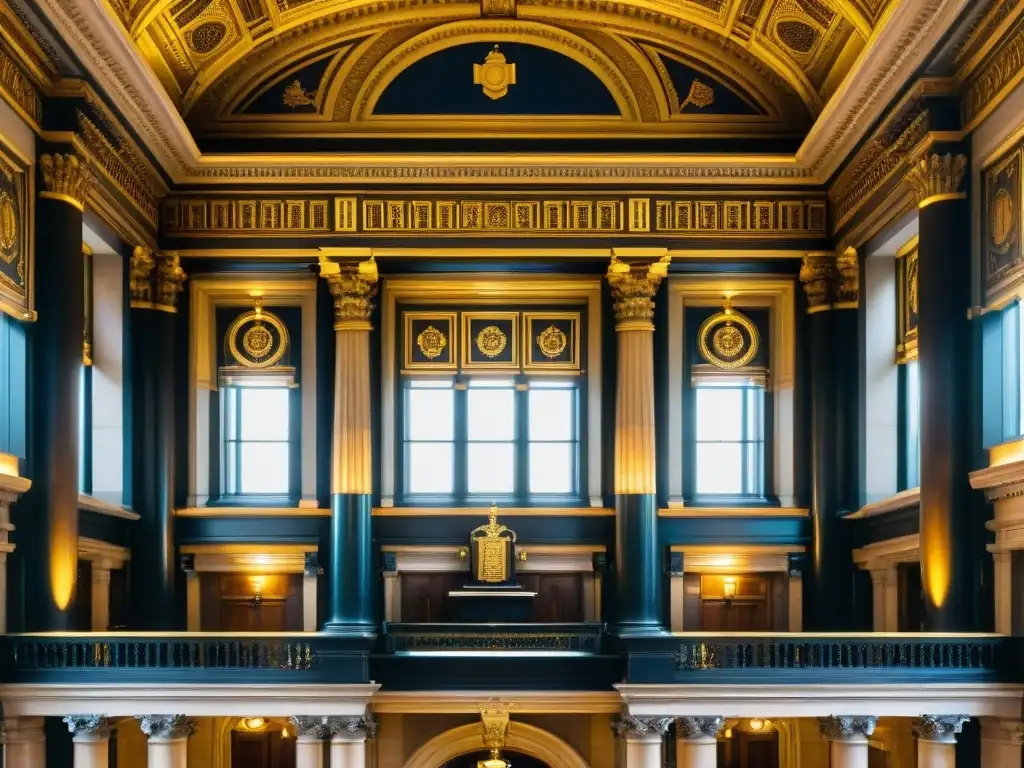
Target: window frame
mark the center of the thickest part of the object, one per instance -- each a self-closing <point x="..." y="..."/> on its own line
<point x="908" y="467"/>
<point x="521" y="495"/>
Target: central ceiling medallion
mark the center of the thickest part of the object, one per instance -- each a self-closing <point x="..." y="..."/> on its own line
<point x="495" y="74"/>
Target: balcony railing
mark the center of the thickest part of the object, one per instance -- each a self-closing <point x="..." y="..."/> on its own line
<point x="551" y="638"/>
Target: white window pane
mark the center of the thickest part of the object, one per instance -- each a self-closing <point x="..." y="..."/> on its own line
<point x="491" y="414"/>
<point x="230" y="404"/>
<point x="551" y="468"/>
<point x="491" y="383"/>
<point x="913" y="423"/>
<point x="264" y="413"/>
<point x="551" y="414"/>
<point x="492" y="468"/>
<point x="755" y="413"/>
<point x="431" y="414"/>
<point x="264" y="467"/>
<point x="430" y="468"/>
<point x="719" y="414"/>
<point x="719" y="468"/>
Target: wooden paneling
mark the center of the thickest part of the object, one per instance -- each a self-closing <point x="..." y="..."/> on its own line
<point x="425" y="595"/>
<point x="227" y="603"/>
<point x="261" y="750"/>
<point x="761" y="603"/>
<point x="749" y="750"/>
<point x="559" y="595"/>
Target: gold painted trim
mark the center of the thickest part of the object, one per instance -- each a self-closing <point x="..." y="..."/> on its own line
<point x="482" y="512"/>
<point x="819" y="308"/>
<point x="353" y="325"/>
<point x="573" y="367"/>
<point x="738" y="549"/>
<point x="941" y="199"/>
<point x="634" y="325"/>
<point x="64" y="199"/>
<point x="910" y="247"/>
<point x="468" y="702"/>
<point x="153" y="305"/>
<point x="469" y="341"/>
<point x="1006" y="453"/>
<point x="251" y="512"/>
<point x="542" y="549"/>
<point x="453" y="342"/>
<point x="701" y="512"/>
<point x="846" y="305"/>
<point x="247" y="549"/>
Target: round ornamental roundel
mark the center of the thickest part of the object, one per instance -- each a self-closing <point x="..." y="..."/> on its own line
<point x="431" y="342"/>
<point x="491" y="341"/>
<point x="1003" y="221"/>
<point x="257" y="339"/>
<point x="8" y="227"/>
<point x="551" y="342"/>
<point x="728" y="339"/>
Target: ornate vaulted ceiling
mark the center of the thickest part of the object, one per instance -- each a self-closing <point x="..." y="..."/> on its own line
<point x="567" y="68"/>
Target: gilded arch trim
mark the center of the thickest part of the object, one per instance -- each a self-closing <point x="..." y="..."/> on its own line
<point x="528" y="739"/>
<point x="496" y="31"/>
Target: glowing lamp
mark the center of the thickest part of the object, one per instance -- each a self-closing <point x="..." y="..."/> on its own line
<point x="729" y="589"/>
<point x="757" y="724"/>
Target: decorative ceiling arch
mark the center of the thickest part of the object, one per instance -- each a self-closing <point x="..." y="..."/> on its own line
<point x="466" y="739"/>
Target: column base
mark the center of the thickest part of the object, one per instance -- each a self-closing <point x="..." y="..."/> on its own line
<point x="347" y="628"/>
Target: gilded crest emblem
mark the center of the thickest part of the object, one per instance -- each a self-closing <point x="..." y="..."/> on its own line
<point x="728" y="341"/>
<point x="257" y="341"/>
<point x="551" y="342"/>
<point x="250" y="340"/>
<point x="431" y="342"/>
<point x="1003" y="221"/>
<point x="491" y="341"/>
<point x="8" y="227"/>
<point x="495" y="74"/>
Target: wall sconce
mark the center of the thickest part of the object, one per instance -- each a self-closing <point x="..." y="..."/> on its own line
<point x="254" y="723"/>
<point x="757" y="724"/>
<point x="729" y="590"/>
<point x="257" y="593"/>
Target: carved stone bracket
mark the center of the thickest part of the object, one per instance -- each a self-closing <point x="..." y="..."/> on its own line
<point x="844" y="727"/>
<point x="66" y="178"/>
<point x="95" y="726"/>
<point x="631" y="727"/>
<point x="940" y="728"/>
<point x="697" y="728"/>
<point x="310" y="727"/>
<point x="166" y="727"/>
<point x="634" y="285"/>
<point x="935" y="178"/>
<point x="155" y="280"/>
<point x="353" y="287"/>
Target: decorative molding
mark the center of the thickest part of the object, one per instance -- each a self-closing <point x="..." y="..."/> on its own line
<point x="18" y="90"/>
<point x="633" y="285"/>
<point x="886" y="555"/>
<point x="848" y="283"/>
<point x="166" y="727"/>
<point x="941" y="728"/>
<point x="847" y="727"/>
<point x="987" y="85"/>
<point x="719" y="512"/>
<point x="155" y="280"/>
<point x="937" y="177"/>
<point x="309" y="727"/>
<point x="100" y="507"/>
<point x="121" y="168"/>
<point x="631" y="727"/>
<point x="699" y="728"/>
<point x="66" y="178"/>
<point x="86" y="726"/>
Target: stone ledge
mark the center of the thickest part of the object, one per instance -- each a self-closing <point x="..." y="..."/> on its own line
<point x="901" y="500"/>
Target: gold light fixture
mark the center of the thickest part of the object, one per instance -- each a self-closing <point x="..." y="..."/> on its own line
<point x="729" y="589"/>
<point x="494" y="761"/>
<point x="496" y="723"/>
<point x="254" y="723"/>
<point x="757" y="724"/>
<point x="257" y="592"/>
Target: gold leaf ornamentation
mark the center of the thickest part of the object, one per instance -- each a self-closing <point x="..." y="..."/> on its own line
<point x="491" y="341"/>
<point x="8" y="227"/>
<point x="729" y="347"/>
<point x="297" y="96"/>
<point x="701" y="95"/>
<point x="551" y="342"/>
<point x="257" y="341"/>
<point x="728" y="341"/>
<point x="431" y="342"/>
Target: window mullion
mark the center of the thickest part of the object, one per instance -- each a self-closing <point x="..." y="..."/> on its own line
<point x="460" y="449"/>
<point x="521" y="436"/>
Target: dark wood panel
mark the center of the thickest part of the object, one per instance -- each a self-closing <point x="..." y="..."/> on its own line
<point x="261" y="750"/>
<point x="425" y="595"/>
<point x="227" y="603"/>
<point x="761" y="605"/>
<point x="559" y="596"/>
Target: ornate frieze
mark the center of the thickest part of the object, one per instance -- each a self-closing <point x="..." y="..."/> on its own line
<point x="990" y="82"/>
<point x="456" y="216"/>
<point x="1002" y="223"/>
<point x="633" y="288"/>
<point x="352" y="727"/>
<point x="353" y="287"/>
<point x="838" y="728"/>
<point x="942" y="728"/>
<point x="694" y="728"/>
<point x="121" y="167"/>
<point x="935" y="177"/>
<point x="629" y="727"/>
<point x="88" y="725"/>
<point x="66" y="178"/>
<point x="17" y="88"/>
<point x="166" y="727"/>
<point x="155" y="279"/>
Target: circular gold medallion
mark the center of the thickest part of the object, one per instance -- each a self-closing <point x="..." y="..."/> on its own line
<point x="257" y="341"/>
<point x="431" y="342"/>
<point x="728" y="341"/>
<point x="8" y="227"/>
<point x="1003" y="221"/>
<point x="552" y="341"/>
<point x="491" y="341"/>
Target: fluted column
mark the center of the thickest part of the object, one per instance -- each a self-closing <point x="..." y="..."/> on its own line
<point x="155" y="281"/>
<point x="697" y="741"/>
<point x="832" y="286"/>
<point x="633" y="286"/>
<point x="350" y="569"/>
<point x="848" y="739"/>
<point x="944" y="348"/>
<point x="309" y="741"/>
<point x="936" y="739"/>
<point x="1001" y="742"/>
<point x="348" y="741"/>
<point x="48" y="521"/>
<point x="24" y="742"/>
<point x="644" y="737"/>
<point x="167" y="739"/>
<point x="91" y="737"/>
<point x="100" y="618"/>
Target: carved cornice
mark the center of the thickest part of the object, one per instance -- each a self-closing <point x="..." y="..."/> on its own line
<point x="1003" y="68"/>
<point x="66" y="178"/>
<point x="97" y="726"/>
<point x="121" y="167"/>
<point x="634" y="285"/>
<point x="818" y="273"/>
<point x="353" y="287"/>
<point x="155" y="280"/>
<point x="629" y="727"/>
<point x="696" y="728"/>
<point x="166" y="727"/>
<point x="846" y="727"/>
<point x="18" y="90"/>
<point x="940" y="728"/>
<point x="935" y="178"/>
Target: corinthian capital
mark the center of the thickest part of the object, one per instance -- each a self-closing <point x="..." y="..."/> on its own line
<point x="941" y="728"/>
<point x="310" y="727"/>
<point x="97" y="726"/>
<point x="353" y="287"/>
<point x="817" y="273"/>
<point x="166" y="727"/>
<point x="694" y="728"/>
<point x="846" y="727"/>
<point x="630" y="727"/>
<point x="155" y="280"/>
<point x="634" y="285"/>
<point x="848" y="285"/>
<point x="935" y="178"/>
<point x="66" y="178"/>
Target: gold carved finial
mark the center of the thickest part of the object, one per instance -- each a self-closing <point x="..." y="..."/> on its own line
<point x="353" y="287"/>
<point x="495" y="716"/>
<point x="848" y="286"/>
<point x="495" y="74"/>
<point x="817" y="273"/>
<point x="155" y="280"/>
<point x="66" y="178"/>
<point x="935" y="178"/>
<point x="633" y="288"/>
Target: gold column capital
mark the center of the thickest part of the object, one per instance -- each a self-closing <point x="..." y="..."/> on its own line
<point x="848" y="284"/>
<point x="66" y="178"/>
<point x="817" y="272"/>
<point x="353" y="286"/>
<point x="155" y="280"/>
<point x="634" y="285"/>
<point x="935" y="178"/>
